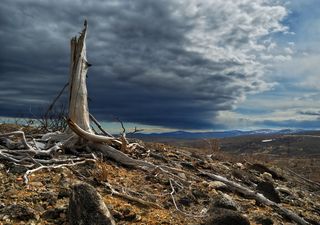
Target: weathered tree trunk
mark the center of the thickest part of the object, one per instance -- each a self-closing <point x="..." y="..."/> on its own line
<point x="78" y="99"/>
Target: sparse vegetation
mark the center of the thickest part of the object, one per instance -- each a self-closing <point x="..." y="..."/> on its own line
<point x="141" y="184"/>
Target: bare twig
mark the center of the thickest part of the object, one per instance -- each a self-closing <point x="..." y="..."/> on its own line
<point x="130" y="198"/>
<point x="124" y="141"/>
<point x="55" y="100"/>
<point x="25" y="176"/>
<point x="99" y="125"/>
<point x="136" y="130"/>
<point x="175" y="204"/>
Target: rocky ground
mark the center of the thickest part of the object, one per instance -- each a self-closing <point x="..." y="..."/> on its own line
<point x="152" y="197"/>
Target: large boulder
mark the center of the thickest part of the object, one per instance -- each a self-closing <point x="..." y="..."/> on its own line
<point x="86" y="207"/>
<point x="222" y="201"/>
<point x="262" y="169"/>
<point x="223" y="211"/>
<point x="268" y="190"/>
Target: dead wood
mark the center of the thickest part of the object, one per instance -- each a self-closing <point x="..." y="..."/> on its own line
<point x="173" y="191"/>
<point x="258" y="197"/>
<point x="99" y="126"/>
<point x="129" y="197"/>
<point x="304" y="178"/>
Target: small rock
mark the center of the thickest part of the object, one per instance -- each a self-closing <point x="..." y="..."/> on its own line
<point x="48" y="197"/>
<point x="222" y="201"/>
<point x="187" y="165"/>
<point x="182" y="175"/>
<point x="218" y="185"/>
<point x="53" y="214"/>
<point x="86" y="207"/>
<point x="18" y="169"/>
<point x="224" y="167"/>
<point x="268" y="190"/>
<point x="199" y="194"/>
<point x="39" y="208"/>
<point x="205" y="184"/>
<point x="240" y="165"/>
<point x="130" y="217"/>
<point x="19" y="212"/>
<point x="63" y="193"/>
<point x="262" y="168"/>
<point x="2" y="166"/>
<point x="127" y="214"/>
<point x="263" y="220"/>
<point x="267" y="176"/>
<point x="138" y="218"/>
<point x="284" y="190"/>
<point x="246" y="177"/>
<point x="126" y="211"/>
<point x="226" y="217"/>
<point x="36" y="184"/>
<point x="117" y="215"/>
<point x="19" y="179"/>
<point x="186" y="201"/>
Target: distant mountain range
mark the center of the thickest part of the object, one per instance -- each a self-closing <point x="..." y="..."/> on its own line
<point x="217" y="134"/>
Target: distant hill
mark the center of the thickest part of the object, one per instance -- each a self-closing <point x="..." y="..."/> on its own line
<point x="266" y="141"/>
<point x="217" y="134"/>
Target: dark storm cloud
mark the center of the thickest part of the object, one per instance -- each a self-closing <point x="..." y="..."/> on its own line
<point x="169" y="63"/>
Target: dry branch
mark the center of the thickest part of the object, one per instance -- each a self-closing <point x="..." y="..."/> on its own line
<point x="55" y="100"/>
<point x="175" y="204"/>
<point x="99" y="126"/>
<point x="258" y="197"/>
<point x="130" y="198"/>
<point x="25" y="176"/>
<point x="303" y="178"/>
<point x="18" y="133"/>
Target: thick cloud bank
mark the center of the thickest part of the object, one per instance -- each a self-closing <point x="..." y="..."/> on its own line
<point x="173" y="63"/>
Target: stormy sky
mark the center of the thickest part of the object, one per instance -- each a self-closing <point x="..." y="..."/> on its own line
<point x="169" y="64"/>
